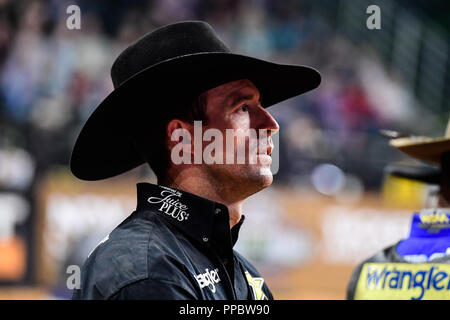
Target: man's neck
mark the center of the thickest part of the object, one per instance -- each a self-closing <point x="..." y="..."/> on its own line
<point x="207" y="188"/>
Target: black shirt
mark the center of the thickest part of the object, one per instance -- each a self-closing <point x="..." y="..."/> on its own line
<point x="176" y="245"/>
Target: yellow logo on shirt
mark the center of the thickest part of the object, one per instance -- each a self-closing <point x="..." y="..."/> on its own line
<point x="256" y="284"/>
<point x="434" y="218"/>
<point x="403" y="281"/>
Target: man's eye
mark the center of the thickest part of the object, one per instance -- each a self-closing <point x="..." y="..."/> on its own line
<point x="244" y="108"/>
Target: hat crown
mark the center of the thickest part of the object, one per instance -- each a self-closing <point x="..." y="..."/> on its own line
<point x="165" y="43"/>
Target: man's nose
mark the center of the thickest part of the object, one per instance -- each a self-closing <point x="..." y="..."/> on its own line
<point x="266" y="121"/>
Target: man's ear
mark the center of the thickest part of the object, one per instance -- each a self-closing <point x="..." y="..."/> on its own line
<point x="179" y="131"/>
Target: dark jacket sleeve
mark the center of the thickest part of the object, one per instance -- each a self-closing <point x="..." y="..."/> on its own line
<point x="152" y="289"/>
<point x="351" y="287"/>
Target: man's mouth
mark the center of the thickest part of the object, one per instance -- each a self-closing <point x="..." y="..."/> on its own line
<point x="264" y="154"/>
<point x="268" y="149"/>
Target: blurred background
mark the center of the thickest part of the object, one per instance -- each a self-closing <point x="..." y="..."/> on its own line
<point x="331" y="204"/>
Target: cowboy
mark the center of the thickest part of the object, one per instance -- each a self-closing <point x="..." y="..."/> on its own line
<point x="417" y="267"/>
<point x="178" y="244"/>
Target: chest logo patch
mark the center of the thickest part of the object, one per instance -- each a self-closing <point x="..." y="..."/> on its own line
<point x="256" y="284"/>
<point x="208" y="279"/>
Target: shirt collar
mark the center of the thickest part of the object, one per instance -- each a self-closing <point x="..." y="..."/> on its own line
<point x="193" y="215"/>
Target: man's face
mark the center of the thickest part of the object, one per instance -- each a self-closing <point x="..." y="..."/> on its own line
<point x="235" y="108"/>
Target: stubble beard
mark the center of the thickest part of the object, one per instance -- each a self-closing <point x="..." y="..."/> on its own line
<point x="237" y="182"/>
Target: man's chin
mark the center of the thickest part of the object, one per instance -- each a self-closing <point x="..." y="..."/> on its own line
<point x="262" y="178"/>
<point x="251" y="178"/>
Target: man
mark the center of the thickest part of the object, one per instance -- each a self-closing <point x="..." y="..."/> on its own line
<point x="417" y="267"/>
<point x="178" y="244"/>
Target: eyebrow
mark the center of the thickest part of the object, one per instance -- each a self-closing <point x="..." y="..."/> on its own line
<point x="237" y="97"/>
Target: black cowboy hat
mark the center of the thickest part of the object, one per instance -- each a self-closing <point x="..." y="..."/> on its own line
<point x="423" y="173"/>
<point x="172" y="64"/>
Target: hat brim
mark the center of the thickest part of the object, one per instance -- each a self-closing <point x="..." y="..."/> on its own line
<point x="104" y="147"/>
<point x="422" y="148"/>
<point x="423" y="173"/>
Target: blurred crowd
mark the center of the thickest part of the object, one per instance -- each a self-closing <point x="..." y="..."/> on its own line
<point x="52" y="78"/>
